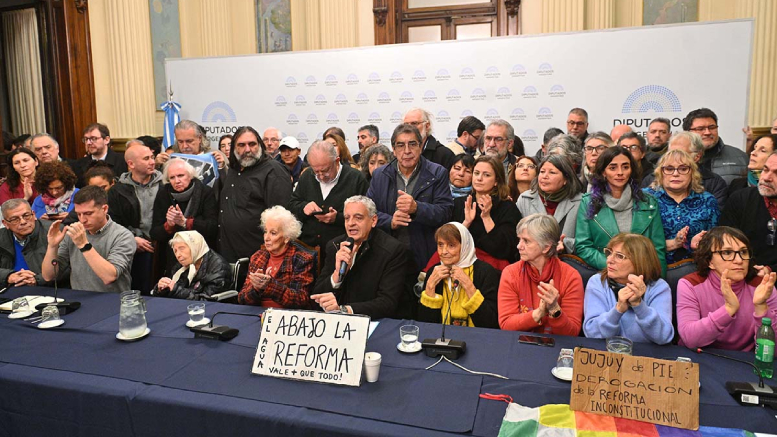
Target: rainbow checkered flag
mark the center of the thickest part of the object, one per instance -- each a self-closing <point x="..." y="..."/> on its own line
<point x="560" y="421"/>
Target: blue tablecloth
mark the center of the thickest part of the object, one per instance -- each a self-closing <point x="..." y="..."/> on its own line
<point x="79" y="379"/>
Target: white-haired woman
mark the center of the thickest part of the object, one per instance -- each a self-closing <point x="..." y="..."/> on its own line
<point x="281" y="273"/>
<point x="183" y="203"/>
<point x="199" y="272"/>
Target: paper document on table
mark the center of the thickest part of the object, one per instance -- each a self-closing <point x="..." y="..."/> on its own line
<point x="373" y="325"/>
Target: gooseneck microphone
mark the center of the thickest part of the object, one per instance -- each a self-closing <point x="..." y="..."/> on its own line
<point x="343" y="264"/>
<point x="452" y="349"/>
<point x="64" y="307"/>
<point x="748" y="393"/>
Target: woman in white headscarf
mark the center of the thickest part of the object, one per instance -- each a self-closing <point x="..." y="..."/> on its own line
<point x="199" y="272"/>
<point x="461" y="290"/>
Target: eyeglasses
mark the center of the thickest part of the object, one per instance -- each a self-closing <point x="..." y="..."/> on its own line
<point x="476" y="137"/>
<point x="410" y="144"/>
<point x="26" y="217"/>
<point x="618" y="256"/>
<point x="497" y="140"/>
<point x="700" y="129"/>
<point x="271" y="140"/>
<point x="576" y="123"/>
<point x="90" y="139"/>
<point x="597" y="149"/>
<point x="416" y="123"/>
<point x="729" y="255"/>
<point x="527" y="166"/>
<point x="669" y="170"/>
<point x="632" y="148"/>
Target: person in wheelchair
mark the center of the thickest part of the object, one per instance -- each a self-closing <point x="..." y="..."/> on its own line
<point x="199" y="273"/>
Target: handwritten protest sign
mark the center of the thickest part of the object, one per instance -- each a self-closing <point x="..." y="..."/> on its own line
<point x="640" y="388"/>
<point x="312" y="346"/>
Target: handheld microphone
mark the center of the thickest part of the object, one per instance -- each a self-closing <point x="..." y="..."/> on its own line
<point x="218" y="332"/>
<point x="64" y="307"/>
<point x="749" y="393"/>
<point x="452" y="349"/>
<point x="343" y="264"/>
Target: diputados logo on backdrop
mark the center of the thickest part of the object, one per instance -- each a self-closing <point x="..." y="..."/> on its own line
<point x="312" y="119"/>
<point x="311" y="81"/>
<point x="406" y="97"/>
<point x="492" y="114"/>
<point x="280" y="101"/>
<point x="518" y="114"/>
<point x="503" y="93"/>
<point x="419" y="76"/>
<point x="451" y="136"/>
<point x="320" y="100"/>
<point x="341" y="100"/>
<point x="429" y="97"/>
<point x="330" y="80"/>
<point x="374" y="117"/>
<point x="352" y="79"/>
<point x="545" y="69"/>
<point x="443" y="116"/>
<point x="300" y="101"/>
<point x="467" y="73"/>
<point x="557" y="91"/>
<point x="290" y="82"/>
<point x="362" y="99"/>
<point x="332" y="118"/>
<point x="518" y="70"/>
<point x="218" y="112"/>
<point x="492" y="73"/>
<point x="658" y="99"/>
<point x="466" y="113"/>
<point x="302" y="138"/>
<point x="384" y="97"/>
<point x="530" y="92"/>
<point x="453" y="95"/>
<point x="396" y="77"/>
<point x="529" y="135"/>
<point x="292" y="120"/>
<point x="353" y="118"/>
<point x="385" y="137"/>
<point x="396" y="117"/>
<point x="373" y="79"/>
<point x="478" y="94"/>
<point x="442" y="75"/>
<point x="544" y="113"/>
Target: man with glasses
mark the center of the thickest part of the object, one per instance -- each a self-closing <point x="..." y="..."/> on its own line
<point x="469" y="132"/>
<point x="753" y="210"/>
<point x="431" y="149"/>
<point x="97" y="139"/>
<point x="412" y="195"/>
<point x="577" y="123"/>
<point x="497" y="140"/>
<point x="635" y="144"/>
<point x="272" y="141"/>
<point x="23" y="245"/>
<point x="728" y="162"/>
<point x="318" y="199"/>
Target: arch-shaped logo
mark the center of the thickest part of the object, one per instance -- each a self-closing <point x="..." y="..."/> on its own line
<point x="218" y="112"/>
<point x="406" y="97"/>
<point x="311" y="81"/>
<point x="518" y="70"/>
<point x="453" y="95"/>
<point x="517" y="114"/>
<point x="312" y="119"/>
<point x="396" y="77"/>
<point x="300" y="100"/>
<point x="544" y="113"/>
<point x="352" y="79"/>
<point x="280" y="101"/>
<point x="545" y="69"/>
<point x="331" y="80"/>
<point x="492" y="114"/>
<point x="529" y="135"/>
<point x="385" y="135"/>
<point x="320" y="100"/>
<point x="503" y="93"/>
<point x="467" y="73"/>
<point x="341" y="99"/>
<point x="557" y="91"/>
<point x="292" y="119"/>
<point x="396" y="117"/>
<point x="290" y="82"/>
<point x="362" y="99"/>
<point x="492" y="73"/>
<point x="451" y="135"/>
<point x="442" y="74"/>
<point x="373" y="78"/>
<point x="529" y="92"/>
<point x="478" y="94"/>
<point x="384" y="97"/>
<point x="353" y="118"/>
<point x="419" y="76"/>
<point x="430" y="96"/>
<point x="332" y="118"/>
<point x="302" y="138"/>
<point x="652" y="98"/>
<point x="466" y="113"/>
<point x="374" y="117"/>
<point x="443" y="116"/>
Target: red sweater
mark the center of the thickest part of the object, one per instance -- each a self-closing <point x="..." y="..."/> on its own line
<point x="516" y="301"/>
<point x="7" y="194"/>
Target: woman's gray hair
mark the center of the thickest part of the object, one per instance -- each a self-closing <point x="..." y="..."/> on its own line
<point x="542" y="228"/>
<point x="697" y="146"/>
<point x="565" y="166"/>
<point x="372" y="210"/>
<point x="291" y="227"/>
<point x="189" y="169"/>
<point x="566" y="145"/>
<point x="601" y="136"/>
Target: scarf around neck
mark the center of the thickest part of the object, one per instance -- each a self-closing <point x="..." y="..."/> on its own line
<point x="57" y="205"/>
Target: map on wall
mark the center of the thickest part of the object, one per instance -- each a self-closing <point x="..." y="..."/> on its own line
<point x="273" y="25"/>
<point x="669" y="11"/>
<point x="165" y="40"/>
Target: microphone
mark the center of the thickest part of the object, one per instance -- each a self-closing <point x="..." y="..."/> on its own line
<point x="64" y="307"/>
<point x="748" y="393"/>
<point x="343" y="264"/>
<point x="451" y="349"/>
<point x="218" y="332"/>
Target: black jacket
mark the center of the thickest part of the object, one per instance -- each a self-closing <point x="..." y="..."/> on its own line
<point x="124" y="207"/>
<point x="436" y="152"/>
<point x="379" y="280"/>
<point x="314" y="232"/>
<point x="115" y="161"/>
<point x="746" y="211"/>
<point x="211" y="278"/>
<point x="34" y="252"/>
<point x="205" y="214"/>
<point x="501" y="242"/>
<point x="486" y="279"/>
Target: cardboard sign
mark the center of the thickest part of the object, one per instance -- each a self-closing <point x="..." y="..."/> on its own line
<point x="640" y="388"/>
<point x="312" y="346"/>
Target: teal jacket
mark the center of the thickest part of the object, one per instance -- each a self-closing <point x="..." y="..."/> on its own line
<point x="592" y="236"/>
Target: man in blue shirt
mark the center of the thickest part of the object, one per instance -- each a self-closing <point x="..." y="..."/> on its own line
<point x="22" y="245"/>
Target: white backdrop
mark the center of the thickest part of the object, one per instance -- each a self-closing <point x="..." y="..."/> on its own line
<point x="619" y="76"/>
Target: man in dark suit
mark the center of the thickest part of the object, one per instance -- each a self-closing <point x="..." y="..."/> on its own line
<point x="431" y="149"/>
<point x="97" y="139"/>
<point x="46" y="148"/>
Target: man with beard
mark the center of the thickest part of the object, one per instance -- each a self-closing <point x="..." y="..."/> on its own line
<point x="753" y="210"/>
<point x="658" y="134"/>
<point x="97" y="140"/>
<point x="497" y="140"/>
<point x="431" y="149"/>
<point x="256" y="182"/>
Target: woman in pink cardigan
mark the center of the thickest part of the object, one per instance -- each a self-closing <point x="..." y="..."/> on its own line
<point x="721" y="305"/>
<point x="540" y="293"/>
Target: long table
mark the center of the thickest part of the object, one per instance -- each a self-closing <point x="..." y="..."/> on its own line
<point x="78" y="379"/>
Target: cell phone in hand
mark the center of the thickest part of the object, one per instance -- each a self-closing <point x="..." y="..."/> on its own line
<point x="319" y="213"/>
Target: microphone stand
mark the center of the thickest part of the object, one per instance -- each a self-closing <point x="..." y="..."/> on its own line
<point x="452" y="349"/>
<point x="64" y="307"/>
<point x="749" y="393"/>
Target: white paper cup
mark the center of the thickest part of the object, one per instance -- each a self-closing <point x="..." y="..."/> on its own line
<point x="372" y="366"/>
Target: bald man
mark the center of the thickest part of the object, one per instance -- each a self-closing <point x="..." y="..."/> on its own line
<point x="131" y="204"/>
<point x="619" y="130"/>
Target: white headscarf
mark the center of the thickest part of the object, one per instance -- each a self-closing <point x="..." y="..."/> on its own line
<point x="467" y="255"/>
<point x="197" y="246"/>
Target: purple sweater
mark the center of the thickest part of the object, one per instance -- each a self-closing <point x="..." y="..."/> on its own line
<point x="702" y="319"/>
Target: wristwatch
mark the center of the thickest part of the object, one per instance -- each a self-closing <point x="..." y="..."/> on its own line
<point x="87" y="247"/>
<point x="555" y="314"/>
